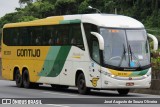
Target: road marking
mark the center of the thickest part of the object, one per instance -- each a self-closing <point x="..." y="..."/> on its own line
<point x="59" y="94"/>
<point x="57" y="105"/>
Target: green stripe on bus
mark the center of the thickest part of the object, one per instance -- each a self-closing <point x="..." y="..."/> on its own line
<point x="59" y="62"/>
<point x="143" y="72"/>
<point x="139" y="73"/>
<point x="55" y="60"/>
<point x="50" y="60"/>
<point x="70" y="21"/>
<point x="134" y="74"/>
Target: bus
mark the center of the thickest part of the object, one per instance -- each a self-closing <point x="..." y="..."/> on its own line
<point x="87" y="51"/>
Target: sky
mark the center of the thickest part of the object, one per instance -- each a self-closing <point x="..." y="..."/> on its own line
<point x="8" y="6"/>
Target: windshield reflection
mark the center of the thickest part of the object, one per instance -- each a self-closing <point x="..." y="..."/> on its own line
<point x="125" y="48"/>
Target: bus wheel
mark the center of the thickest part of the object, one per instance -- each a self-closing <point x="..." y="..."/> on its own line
<point x="26" y="81"/>
<point x="81" y="84"/>
<point x="123" y="91"/>
<point x="18" y="79"/>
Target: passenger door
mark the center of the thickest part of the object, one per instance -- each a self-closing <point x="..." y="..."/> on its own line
<point x="94" y="66"/>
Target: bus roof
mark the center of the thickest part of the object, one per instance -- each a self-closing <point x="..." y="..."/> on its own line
<point x="112" y="20"/>
<point x="104" y="20"/>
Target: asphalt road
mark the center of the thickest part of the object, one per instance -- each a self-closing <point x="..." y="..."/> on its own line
<point x="8" y="89"/>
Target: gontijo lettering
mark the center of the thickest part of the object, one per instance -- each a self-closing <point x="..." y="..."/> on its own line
<point x="28" y="52"/>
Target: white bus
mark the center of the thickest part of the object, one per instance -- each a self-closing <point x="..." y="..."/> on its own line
<point x="90" y="51"/>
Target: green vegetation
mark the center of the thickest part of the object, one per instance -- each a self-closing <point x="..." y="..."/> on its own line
<point x="146" y="11"/>
<point x="155" y="65"/>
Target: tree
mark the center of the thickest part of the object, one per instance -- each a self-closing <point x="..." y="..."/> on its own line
<point x="83" y="7"/>
<point x="63" y="7"/>
<point x="25" y="1"/>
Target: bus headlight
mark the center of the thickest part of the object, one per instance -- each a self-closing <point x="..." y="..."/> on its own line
<point x="112" y="76"/>
<point x="145" y="76"/>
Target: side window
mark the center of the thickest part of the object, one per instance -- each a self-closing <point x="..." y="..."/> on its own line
<point x="23" y="36"/>
<point x="76" y="36"/>
<point x="62" y="35"/>
<point x="49" y="35"/>
<point x="7" y="36"/>
<point x="37" y="35"/>
<point x="11" y="36"/>
<point x="95" y="51"/>
<point x="15" y="36"/>
<point x="92" y="41"/>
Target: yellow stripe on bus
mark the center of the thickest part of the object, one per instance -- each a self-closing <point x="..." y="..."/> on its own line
<point x="46" y="21"/>
<point x="120" y="73"/>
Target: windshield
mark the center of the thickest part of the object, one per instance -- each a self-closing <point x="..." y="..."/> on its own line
<point x="125" y="48"/>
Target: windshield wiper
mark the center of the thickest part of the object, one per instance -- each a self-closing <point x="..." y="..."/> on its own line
<point x="123" y="55"/>
<point x="132" y="54"/>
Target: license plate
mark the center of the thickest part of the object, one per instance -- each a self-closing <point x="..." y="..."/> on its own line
<point x="129" y="84"/>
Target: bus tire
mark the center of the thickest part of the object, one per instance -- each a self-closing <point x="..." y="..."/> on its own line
<point x="18" y="79"/>
<point x="81" y="84"/>
<point x="26" y="80"/>
<point x="123" y="91"/>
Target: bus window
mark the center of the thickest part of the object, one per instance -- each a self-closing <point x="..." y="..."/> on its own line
<point x="62" y="35"/>
<point x="15" y="34"/>
<point x="23" y="36"/>
<point x="95" y="51"/>
<point x="76" y="36"/>
<point x="7" y="36"/>
<point x="37" y="35"/>
<point x="92" y="41"/>
<point x="58" y="39"/>
<point x="48" y="36"/>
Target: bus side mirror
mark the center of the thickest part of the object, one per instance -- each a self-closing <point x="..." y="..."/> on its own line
<point x="155" y="41"/>
<point x="100" y="40"/>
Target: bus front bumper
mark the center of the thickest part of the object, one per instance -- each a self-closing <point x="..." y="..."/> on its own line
<point x="113" y="83"/>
